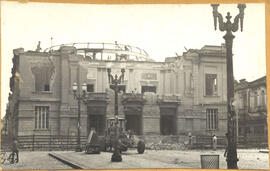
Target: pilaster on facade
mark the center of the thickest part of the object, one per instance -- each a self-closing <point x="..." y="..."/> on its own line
<point x="151" y="115"/>
<point x="196" y="82"/>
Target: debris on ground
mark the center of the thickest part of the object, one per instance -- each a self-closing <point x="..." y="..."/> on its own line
<point x="165" y="146"/>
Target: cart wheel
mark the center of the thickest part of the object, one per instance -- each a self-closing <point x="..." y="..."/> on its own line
<point x="11" y="158"/>
<point x="140" y="147"/>
<point x="3" y="157"/>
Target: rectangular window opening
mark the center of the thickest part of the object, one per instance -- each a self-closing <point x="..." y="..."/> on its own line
<point x="212" y="119"/>
<point x="41" y="117"/>
<point x="90" y="88"/>
<point x="42" y="77"/>
<point x="46" y="87"/>
<point x="211" y="84"/>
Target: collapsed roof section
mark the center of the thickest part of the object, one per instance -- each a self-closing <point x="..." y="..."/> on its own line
<point x="206" y="51"/>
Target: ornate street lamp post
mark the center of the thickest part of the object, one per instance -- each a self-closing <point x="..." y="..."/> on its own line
<point x="116" y="157"/>
<point x="79" y="97"/>
<point x="230" y="27"/>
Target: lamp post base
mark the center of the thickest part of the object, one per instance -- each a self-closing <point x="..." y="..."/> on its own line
<point x="116" y="157"/>
<point x="78" y="149"/>
<point x="232" y="163"/>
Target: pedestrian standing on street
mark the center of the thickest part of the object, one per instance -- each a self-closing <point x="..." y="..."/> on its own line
<point x="214" y="142"/>
<point x="190" y="140"/>
<point x="226" y="145"/>
<point x="15" y="150"/>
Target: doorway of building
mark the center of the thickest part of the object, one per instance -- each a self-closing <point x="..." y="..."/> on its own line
<point x="167" y="125"/>
<point x="167" y="121"/>
<point x="97" y="122"/>
<point x="134" y="123"/>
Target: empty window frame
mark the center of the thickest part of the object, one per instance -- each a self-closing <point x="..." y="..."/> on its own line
<point x="255" y="97"/>
<point x="211" y="119"/>
<point x="188" y="81"/>
<point x="210" y="84"/>
<point x="263" y="98"/>
<point x="90" y="88"/>
<point x="42" y="78"/>
<point x="41" y="117"/>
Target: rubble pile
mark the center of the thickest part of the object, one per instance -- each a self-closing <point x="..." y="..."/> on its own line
<point x="165" y="146"/>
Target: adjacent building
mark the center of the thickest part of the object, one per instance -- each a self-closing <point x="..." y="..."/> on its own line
<point x="252" y="109"/>
<point x="184" y="94"/>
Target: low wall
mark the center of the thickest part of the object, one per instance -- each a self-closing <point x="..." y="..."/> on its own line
<point x="173" y="142"/>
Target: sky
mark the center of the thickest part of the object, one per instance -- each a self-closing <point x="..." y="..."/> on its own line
<point x="161" y="30"/>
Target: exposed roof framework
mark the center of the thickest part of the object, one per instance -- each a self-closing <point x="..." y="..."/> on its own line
<point x="107" y="51"/>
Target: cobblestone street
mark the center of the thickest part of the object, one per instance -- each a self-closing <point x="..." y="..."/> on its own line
<point x="248" y="159"/>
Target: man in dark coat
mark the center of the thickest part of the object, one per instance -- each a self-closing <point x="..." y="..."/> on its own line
<point x="15" y="149"/>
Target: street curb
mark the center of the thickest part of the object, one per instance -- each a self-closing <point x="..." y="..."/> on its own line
<point x="65" y="161"/>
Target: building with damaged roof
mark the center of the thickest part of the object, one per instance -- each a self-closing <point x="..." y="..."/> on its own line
<point x="184" y="94"/>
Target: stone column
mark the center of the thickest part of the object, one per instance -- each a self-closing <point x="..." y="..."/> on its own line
<point x="167" y="82"/>
<point x="195" y="84"/>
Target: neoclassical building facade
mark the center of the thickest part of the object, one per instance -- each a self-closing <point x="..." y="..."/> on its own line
<point x="184" y="94"/>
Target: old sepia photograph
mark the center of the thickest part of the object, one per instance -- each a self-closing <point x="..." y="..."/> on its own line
<point x="133" y="86"/>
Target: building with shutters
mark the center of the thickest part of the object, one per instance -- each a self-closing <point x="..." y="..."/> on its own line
<point x="184" y="94"/>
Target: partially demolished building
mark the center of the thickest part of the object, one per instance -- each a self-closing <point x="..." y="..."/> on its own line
<point x="184" y="94"/>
